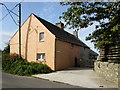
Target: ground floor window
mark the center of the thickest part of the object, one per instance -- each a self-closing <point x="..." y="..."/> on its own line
<point x="41" y="56"/>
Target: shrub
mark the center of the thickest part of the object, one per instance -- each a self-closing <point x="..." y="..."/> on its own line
<point x="12" y="64"/>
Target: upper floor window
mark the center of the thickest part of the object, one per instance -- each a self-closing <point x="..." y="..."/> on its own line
<point x="41" y="36"/>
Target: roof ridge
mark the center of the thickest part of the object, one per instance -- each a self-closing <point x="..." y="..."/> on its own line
<point x="54" y="25"/>
<point x="59" y="32"/>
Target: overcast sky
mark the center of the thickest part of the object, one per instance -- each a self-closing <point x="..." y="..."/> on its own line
<point x="49" y="11"/>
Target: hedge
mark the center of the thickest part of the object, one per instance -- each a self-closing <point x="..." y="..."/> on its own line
<point x="12" y="64"/>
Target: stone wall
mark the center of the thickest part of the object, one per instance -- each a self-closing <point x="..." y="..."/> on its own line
<point x="108" y="71"/>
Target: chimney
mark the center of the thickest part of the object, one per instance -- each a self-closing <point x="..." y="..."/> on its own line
<point x="75" y="33"/>
<point x="60" y="25"/>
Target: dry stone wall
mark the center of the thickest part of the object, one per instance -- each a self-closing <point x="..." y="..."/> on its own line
<point x="108" y="71"/>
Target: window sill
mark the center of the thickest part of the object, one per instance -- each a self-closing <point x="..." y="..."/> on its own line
<point x="42" y="60"/>
<point x="41" y="41"/>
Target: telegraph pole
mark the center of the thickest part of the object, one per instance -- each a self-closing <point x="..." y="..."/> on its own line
<point x="19" y="21"/>
<point x="19" y="30"/>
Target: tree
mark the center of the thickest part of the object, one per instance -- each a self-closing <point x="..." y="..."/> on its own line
<point x="83" y="14"/>
<point x="7" y="49"/>
<point x="0" y="50"/>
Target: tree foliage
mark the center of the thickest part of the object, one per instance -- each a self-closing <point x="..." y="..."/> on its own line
<point x="7" y="49"/>
<point x="107" y="14"/>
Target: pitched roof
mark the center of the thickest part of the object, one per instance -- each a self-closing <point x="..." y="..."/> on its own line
<point x="93" y="52"/>
<point x="61" y="34"/>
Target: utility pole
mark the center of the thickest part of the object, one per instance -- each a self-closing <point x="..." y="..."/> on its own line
<point x="19" y="30"/>
<point x="19" y="20"/>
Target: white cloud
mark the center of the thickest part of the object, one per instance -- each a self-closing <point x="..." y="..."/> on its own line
<point x="48" y="12"/>
<point x="4" y="38"/>
<point x="9" y="34"/>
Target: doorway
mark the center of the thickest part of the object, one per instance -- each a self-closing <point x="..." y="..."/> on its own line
<point x="76" y="62"/>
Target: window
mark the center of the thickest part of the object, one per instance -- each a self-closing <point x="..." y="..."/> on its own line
<point x="41" y="36"/>
<point x="41" y="56"/>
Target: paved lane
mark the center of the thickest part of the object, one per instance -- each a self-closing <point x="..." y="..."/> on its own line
<point x="13" y="81"/>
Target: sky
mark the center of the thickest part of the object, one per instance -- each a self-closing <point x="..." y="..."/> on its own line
<point x="49" y="11"/>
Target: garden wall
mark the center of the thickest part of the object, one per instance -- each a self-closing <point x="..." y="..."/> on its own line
<point x="108" y="71"/>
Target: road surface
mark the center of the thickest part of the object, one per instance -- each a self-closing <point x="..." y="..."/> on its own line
<point x="14" y="81"/>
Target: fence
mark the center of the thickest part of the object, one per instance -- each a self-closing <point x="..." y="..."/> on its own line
<point x="113" y="54"/>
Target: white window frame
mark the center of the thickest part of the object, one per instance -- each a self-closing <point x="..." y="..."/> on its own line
<point x="41" y="56"/>
<point x="41" y="38"/>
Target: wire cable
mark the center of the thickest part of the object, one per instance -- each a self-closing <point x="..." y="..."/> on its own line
<point x="11" y="11"/>
<point x="21" y="2"/>
<point x="8" y="13"/>
<point x="11" y="15"/>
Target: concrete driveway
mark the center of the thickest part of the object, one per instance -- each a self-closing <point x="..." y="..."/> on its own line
<point x="83" y="77"/>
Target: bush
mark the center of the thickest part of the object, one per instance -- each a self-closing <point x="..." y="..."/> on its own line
<point x="12" y="64"/>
